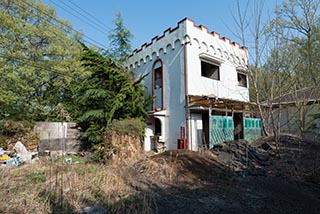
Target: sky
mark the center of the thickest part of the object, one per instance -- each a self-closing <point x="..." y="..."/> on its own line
<point x="146" y="19"/>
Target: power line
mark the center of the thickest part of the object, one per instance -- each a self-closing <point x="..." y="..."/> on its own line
<point x="60" y="22"/>
<point x="93" y="18"/>
<point x="80" y="18"/>
<point x="27" y="62"/>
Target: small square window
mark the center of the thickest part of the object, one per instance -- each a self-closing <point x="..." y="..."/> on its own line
<point x="242" y="80"/>
<point x="210" y="70"/>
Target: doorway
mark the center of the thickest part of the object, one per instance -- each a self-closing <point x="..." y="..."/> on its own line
<point x="238" y="126"/>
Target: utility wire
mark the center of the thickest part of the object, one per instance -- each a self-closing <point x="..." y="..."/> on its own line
<point x="27" y="62"/>
<point x="80" y="18"/>
<point x="55" y="33"/>
<point x="95" y="43"/>
<point x="94" y="19"/>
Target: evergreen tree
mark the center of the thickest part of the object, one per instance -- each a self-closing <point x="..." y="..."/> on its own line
<point x="120" y="40"/>
<point x="108" y="94"/>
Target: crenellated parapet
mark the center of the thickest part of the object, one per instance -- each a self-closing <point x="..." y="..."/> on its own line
<point x="188" y="33"/>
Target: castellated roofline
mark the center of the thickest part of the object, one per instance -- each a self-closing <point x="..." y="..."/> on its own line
<point x="203" y="28"/>
<point x="220" y="47"/>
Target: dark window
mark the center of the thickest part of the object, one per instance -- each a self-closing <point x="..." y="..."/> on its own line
<point x="158" y="77"/>
<point x="157" y="127"/>
<point x="242" y="80"/>
<point x="210" y="70"/>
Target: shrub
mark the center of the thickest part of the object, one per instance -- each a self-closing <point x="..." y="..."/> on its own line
<point x="133" y="126"/>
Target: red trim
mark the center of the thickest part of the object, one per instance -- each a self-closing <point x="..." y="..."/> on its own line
<point x="200" y="27"/>
<point x="162" y="83"/>
<point x="185" y="69"/>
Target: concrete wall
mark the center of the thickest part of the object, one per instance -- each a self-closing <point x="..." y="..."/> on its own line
<point x="56" y="136"/>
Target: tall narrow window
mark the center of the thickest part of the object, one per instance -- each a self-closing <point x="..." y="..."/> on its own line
<point x="158" y="77"/>
<point x="158" y="85"/>
<point x="210" y="70"/>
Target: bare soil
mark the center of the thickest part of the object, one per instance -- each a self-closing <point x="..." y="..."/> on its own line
<point x="183" y="181"/>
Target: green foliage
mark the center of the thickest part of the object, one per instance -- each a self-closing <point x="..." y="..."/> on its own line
<point x="129" y="126"/>
<point x="98" y="153"/>
<point x="296" y="29"/>
<point x="37" y="177"/>
<point x="12" y="128"/>
<point x="107" y="94"/>
<point x="120" y="40"/>
<point x="38" y="60"/>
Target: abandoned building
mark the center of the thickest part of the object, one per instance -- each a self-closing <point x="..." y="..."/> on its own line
<point x="298" y="113"/>
<point x="200" y="87"/>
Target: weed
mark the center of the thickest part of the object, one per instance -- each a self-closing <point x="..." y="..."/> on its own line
<point x="37" y="177"/>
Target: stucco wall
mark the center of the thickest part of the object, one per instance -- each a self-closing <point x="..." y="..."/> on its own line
<point x="170" y="49"/>
<point x="203" y="44"/>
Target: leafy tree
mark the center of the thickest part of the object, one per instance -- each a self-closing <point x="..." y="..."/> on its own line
<point x="107" y="94"/>
<point x="120" y="38"/>
<point x="284" y="57"/>
<point x="302" y="20"/>
<point x="38" y="60"/>
<point x="299" y="54"/>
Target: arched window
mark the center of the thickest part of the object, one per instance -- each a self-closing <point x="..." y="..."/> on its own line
<point x="157" y="91"/>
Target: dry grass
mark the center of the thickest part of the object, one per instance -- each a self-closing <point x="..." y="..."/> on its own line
<point x="47" y="187"/>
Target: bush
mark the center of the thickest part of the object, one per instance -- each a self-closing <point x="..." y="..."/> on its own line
<point x="14" y="128"/>
<point x="129" y="126"/>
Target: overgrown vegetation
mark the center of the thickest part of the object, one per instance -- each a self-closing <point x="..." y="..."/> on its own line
<point x="133" y="127"/>
<point x="107" y="94"/>
<point x="39" y="58"/>
<point x="129" y="126"/>
<point x="284" y="52"/>
<point x="50" y="75"/>
<point x="56" y="187"/>
<point x="12" y="131"/>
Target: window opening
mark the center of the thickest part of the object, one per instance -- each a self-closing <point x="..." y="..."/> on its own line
<point x="242" y="80"/>
<point x="158" y="78"/>
<point x="210" y="70"/>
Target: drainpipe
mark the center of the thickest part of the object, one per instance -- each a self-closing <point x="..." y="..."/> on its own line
<point x="186" y="92"/>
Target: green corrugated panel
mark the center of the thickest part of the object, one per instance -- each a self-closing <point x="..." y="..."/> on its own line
<point x="221" y="129"/>
<point x="252" y="129"/>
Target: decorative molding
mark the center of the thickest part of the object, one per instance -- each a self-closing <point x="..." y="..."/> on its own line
<point x="152" y="52"/>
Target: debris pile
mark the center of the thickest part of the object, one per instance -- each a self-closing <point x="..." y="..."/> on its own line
<point x="289" y="157"/>
<point x="240" y="156"/>
<point x="18" y="155"/>
<point x="7" y="158"/>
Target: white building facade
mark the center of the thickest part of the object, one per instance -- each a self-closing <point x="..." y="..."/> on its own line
<point x="193" y="74"/>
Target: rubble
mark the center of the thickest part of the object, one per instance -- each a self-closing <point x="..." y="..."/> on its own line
<point x="7" y="158"/>
<point x="22" y="152"/>
<point x="240" y="156"/>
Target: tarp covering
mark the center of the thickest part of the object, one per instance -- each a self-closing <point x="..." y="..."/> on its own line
<point x="221" y="129"/>
<point x="252" y="129"/>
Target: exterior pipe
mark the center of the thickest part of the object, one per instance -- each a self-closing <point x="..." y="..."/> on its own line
<point x="186" y="93"/>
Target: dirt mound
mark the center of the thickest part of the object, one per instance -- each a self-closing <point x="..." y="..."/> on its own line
<point x="182" y="167"/>
<point x="222" y="180"/>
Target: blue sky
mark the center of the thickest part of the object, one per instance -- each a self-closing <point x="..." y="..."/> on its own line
<point x="146" y="19"/>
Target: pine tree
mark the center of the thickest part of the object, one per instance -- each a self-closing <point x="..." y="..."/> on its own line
<point x="108" y="94"/>
<point x="120" y="38"/>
